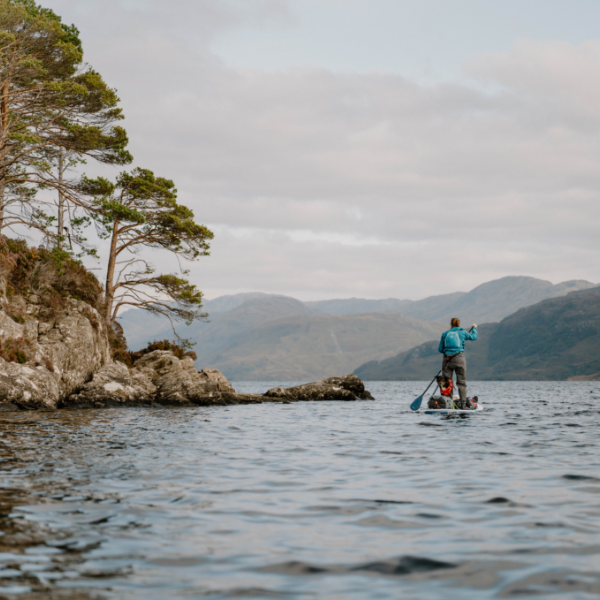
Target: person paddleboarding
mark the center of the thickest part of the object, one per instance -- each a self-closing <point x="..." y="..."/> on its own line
<point x="452" y="346"/>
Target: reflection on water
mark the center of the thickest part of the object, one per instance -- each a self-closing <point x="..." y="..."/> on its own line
<point x="312" y="500"/>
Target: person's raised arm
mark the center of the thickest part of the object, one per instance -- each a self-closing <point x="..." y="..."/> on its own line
<point x="472" y="335"/>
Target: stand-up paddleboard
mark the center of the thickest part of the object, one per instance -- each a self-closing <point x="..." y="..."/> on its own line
<point x="453" y="411"/>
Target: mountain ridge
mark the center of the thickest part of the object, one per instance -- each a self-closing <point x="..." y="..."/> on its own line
<point x="505" y="296"/>
<point x="233" y="337"/>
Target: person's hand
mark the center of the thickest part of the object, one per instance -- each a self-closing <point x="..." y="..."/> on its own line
<point x="474" y="325"/>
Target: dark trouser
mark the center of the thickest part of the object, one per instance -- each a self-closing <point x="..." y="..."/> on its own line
<point x="458" y="364"/>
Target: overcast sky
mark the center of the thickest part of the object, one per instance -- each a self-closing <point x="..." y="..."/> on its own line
<point x="369" y="148"/>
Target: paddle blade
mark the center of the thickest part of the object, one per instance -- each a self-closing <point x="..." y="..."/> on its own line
<point x="416" y="405"/>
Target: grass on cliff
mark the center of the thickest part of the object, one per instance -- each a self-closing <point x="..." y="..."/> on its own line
<point x="51" y="274"/>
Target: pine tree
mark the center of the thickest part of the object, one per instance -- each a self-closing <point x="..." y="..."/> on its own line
<point x="49" y="102"/>
<point x="139" y="212"/>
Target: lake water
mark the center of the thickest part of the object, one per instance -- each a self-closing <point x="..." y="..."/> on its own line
<point x="311" y="500"/>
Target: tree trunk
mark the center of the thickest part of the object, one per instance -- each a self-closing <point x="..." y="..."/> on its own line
<point x="110" y="274"/>
<point x="2" y="186"/>
<point x="4" y="124"/>
<point x="61" y="201"/>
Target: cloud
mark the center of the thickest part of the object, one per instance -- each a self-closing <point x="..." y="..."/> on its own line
<point x="324" y="184"/>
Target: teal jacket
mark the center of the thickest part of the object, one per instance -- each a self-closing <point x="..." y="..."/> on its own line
<point x="453" y="341"/>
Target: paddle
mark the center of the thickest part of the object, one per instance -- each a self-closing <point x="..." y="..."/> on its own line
<point x="416" y="405"/>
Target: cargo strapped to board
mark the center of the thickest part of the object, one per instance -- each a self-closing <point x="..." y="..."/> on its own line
<point x="437" y="402"/>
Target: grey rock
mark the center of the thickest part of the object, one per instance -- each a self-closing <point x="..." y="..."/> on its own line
<point x="64" y="353"/>
<point x="348" y="388"/>
<point x="351" y="383"/>
<point x="32" y="309"/>
<point x="178" y="383"/>
<point x="8" y="327"/>
<point x="111" y="386"/>
<point x="215" y="376"/>
<point x="252" y="399"/>
<point x="77" y="347"/>
<point x="25" y="387"/>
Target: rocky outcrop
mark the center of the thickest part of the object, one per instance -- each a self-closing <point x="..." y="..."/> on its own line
<point x="178" y="383"/>
<point x="348" y="388"/>
<point x="60" y="358"/>
<point x="160" y="378"/>
<point x="60" y="352"/>
<point x="157" y="378"/>
<point x="55" y="348"/>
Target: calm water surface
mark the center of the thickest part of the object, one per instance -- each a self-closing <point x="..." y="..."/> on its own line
<point x="311" y="500"/>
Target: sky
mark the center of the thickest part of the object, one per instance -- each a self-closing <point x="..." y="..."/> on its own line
<point x="364" y="148"/>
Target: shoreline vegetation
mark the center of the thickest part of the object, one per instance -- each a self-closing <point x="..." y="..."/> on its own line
<point x="59" y="350"/>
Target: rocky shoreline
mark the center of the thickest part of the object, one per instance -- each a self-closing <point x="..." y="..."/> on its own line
<point x="160" y="378"/>
<point x="65" y="361"/>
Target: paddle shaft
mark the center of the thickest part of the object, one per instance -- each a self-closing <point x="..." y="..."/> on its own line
<point x="431" y="383"/>
<point x="416" y="404"/>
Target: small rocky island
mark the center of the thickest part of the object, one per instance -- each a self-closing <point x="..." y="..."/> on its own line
<point x="56" y="351"/>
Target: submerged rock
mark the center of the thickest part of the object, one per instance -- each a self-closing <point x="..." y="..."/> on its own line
<point x="348" y="388"/>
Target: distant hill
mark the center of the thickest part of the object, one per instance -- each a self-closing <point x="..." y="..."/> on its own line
<point x="494" y="300"/>
<point x="141" y="327"/>
<point x="226" y="340"/>
<point x="424" y="361"/>
<point x="276" y="337"/>
<point x="556" y="339"/>
<point x="314" y="347"/>
<point x="225" y="328"/>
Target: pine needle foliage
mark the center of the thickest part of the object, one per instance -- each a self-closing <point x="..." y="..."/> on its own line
<point x="49" y="100"/>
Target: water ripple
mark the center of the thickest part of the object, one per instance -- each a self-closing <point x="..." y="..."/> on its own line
<point x="313" y="500"/>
